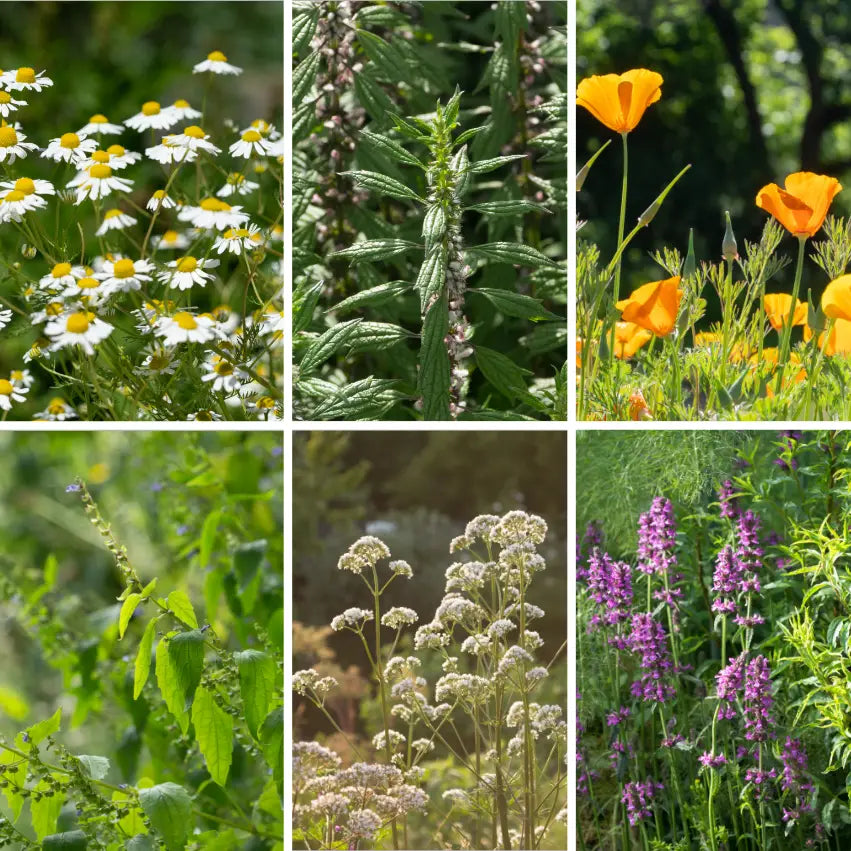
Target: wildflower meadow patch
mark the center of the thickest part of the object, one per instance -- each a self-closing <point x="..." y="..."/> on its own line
<point x="712" y="648"/>
<point x="429" y="188"/>
<point x="142" y="256"/>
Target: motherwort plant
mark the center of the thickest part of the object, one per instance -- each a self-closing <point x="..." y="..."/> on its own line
<point x="487" y="713"/>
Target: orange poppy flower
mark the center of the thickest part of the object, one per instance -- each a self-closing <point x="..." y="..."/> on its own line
<point x="706" y="338"/>
<point x="638" y="409"/>
<point x="836" y="298"/>
<point x="777" y="310"/>
<point x="839" y="341"/>
<point x="619" y="100"/>
<point x="654" y="306"/>
<point x="629" y="338"/>
<point x="802" y="206"/>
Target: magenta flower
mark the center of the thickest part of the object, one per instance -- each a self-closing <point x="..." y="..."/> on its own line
<point x="648" y="638"/>
<point x="657" y="538"/>
<point x="758" y="701"/>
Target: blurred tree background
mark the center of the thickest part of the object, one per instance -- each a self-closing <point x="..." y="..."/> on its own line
<point x="416" y="491"/>
<point x="753" y="90"/>
<point x="156" y="489"/>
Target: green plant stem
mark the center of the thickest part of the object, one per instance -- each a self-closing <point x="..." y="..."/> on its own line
<point x="621" y="224"/>
<point x="787" y="326"/>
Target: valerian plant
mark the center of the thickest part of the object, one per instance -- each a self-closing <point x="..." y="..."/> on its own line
<point x="504" y="783"/>
<point x="401" y="309"/>
<point x="199" y="761"/>
<point x="712" y="661"/>
<point x="150" y="280"/>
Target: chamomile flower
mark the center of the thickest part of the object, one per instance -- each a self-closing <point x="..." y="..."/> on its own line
<point x="184" y="327"/>
<point x="159" y="361"/>
<point x="227" y="319"/>
<point x="265" y="408"/>
<point x="272" y="321"/>
<point x="8" y="104"/>
<point x="87" y="290"/>
<point x="13" y="144"/>
<point x="213" y="213"/>
<point x="171" y="239"/>
<point x="226" y="377"/>
<point x="98" y="182"/>
<point x="99" y="124"/>
<point x="264" y="128"/>
<point x="237" y="240"/>
<point x="204" y="417"/>
<point x="216" y="63"/>
<point x="14" y="205"/>
<point x="60" y="277"/>
<point x="37" y="350"/>
<point x="236" y="184"/>
<point x="276" y="150"/>
<point x="124" y="275"/>
<point x="22" y="378"/>
<point x="79" y="328"/>
<point x="115" y="219"/>
<point x="170" y="152"/>
<point x="251" y="142"/>
<point x="69" y="148"/>
<point x="187" y="271"/>
<point x="120" y="157"/>
<point x="5" y="318"/>
<point x="160" y="201"/>
<point x="49" y="312"/>
<point x="10" y="393"/>
<point x="183" y="110"/>
<point x="57" y="410"/>
<point x="24" y="79"/>
<point x="194" y="138"/>
<point x="152" y="117"/>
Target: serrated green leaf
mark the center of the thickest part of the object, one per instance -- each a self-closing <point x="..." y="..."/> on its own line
<point x="377" y="336"/>
<point x="374" y="295"/>
<point x="372" y="97"/>
<point x="186" y="651"/>
<point x="371" y="250"/>
<point x="149" y="589"/>
<point x="405" y="128"/>
<point x="507" y="208"/>
<point x="97" y="767"/>
<point x="304" y="28"/>
<point x="466" y="135"/>
<point x="484" y="166"/>
<point x="545" y="338"/>
<point x="389" y="148"/>
<point x="181" y="607"/>
<point x="304" y="76"/>
<point x="450" y="111"/>
<point x="512" y="252"/>
<point x="516" y="304"/>
<point x="433" y="377"/>
<point x="271" y="736"/>
<point x="304" y="305"/>
<point x="15" y="782"/>
<point x="168" y="807"/>
<point x="381" y="183"/>
<point x="434" y="225"/>
<point x="385" y="56"/>
<point x="169" y="686"/>
<point x="71" y="840"/>
<point x="368" y="399"/>
<point x="502" y="373"/>
<point x="431" y="278"/>
<point x="379" y="16"/>
<point x="40" y="731"/>
<point x="133" y="823"/>
<point x="461" y="169"/>
<point x="303" y="118"/>
<point x="256" y="685"/>
<point x="331" y="341"/>
<point x="44" y="811"/>
<point x="214" y="734"/>
<point x="127" y="609"/>
<point x="140" y="843"/>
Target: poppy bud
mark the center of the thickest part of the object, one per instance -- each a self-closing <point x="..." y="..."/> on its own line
<point x="690" y="266"/>
<point x="729" y="249"/>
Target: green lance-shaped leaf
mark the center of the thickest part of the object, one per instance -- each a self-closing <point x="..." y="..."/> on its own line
<point x="186" y="651"/>
<point x="372" y="97"/>
<point x="272" y="743"/>
<point x="385" y="56"/>
<point x="143" y="658"/>
<point x="377" y="336"/>
<point x="304" y="27"/>
<point x="512" y="252"/>
<point x="168" y="807"/>
<point x="460" y="166"/>
<point x="431" y="279"/>
<point x="502" y="373"/>
<point x="515" y="304"/>
<point x="72" y="840"/>
<point x="433" y="381"/>
<point x="389" y="148"/>
<point x="374" y="295"/>
<point x="305" y="300"/>
<point x="40" y="731"/>
<point x="508" y="208"/>
<point x="181" y="606"/>
<point x="484" y="166"/>
<point x="324" y="346"/>
<point x="127" y="609"/>
<point x="169" y="685"/>
<point x="434" y="225"/>
<point x="304" y="76"/>
<point x="214" y="734"/>
<point x="374" y="249"/>
<point x="382" y="184"/>
<point x="367" y="399"/>
<point x="256" y="685"/>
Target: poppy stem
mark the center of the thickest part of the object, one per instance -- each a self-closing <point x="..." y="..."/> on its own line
<point x="621" y="223"/>
<point x="787" y="327"/>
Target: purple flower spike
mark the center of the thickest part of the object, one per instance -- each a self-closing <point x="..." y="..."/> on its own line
<point x="638" y="798"/>
<point x="758" y="701"/>
<point x="729" y="682"/>
<point x="727" y="499"/>
<point x="657" y="538"/>
<point x="648" y="638"/>
<point x="610" y="586"/>
<point x="726" y="581"/>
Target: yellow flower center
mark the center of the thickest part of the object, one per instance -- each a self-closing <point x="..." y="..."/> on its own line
<point x="235" y="178"/>
<point x="251" y="136"/>
<point x="87" y="284"/>
<point x="8" y="136"/>
<point x="217" y="56"/>
<point x="98" y="119"/>
<point x="160" y="193"/>
<point x="78" y="323"/>
<point x="204" y="416"/>
<point x="6" y="388"/>
<point x="214" y="204"/>
<point x="14" y="195"/>
<point x="159" y="361"/>
<point x="69" y="140"/>
<point x="54" y="308"/>
<point x="261" y="124"/>
<point x="5" y="97"/>
<point x="236" y="233"/>
<point x="123" y="268"/>
<point x="100" y="157"/>
<point x="56" y="406"/>
<point x="194" y="131"/>
<point x="170" y="236"/>
<point x="223" y="368"/>
<point x="185" y="320"/>
<point x="151" y="107"/>
<point x="265" y="402"/>
<point x="187" y="264"/>
<point x="60" y="270"/>
<point x="25" y="185"/>
<point x="111" y="214"/>
<point x="25" y="75"/>
<point x="115" y="150"/>
<point x="100" y="171"/>
<point x="180" y="103"/>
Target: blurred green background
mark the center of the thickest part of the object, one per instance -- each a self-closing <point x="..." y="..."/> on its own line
<point x="155" y="489"/>
<point x="753" y="90"/>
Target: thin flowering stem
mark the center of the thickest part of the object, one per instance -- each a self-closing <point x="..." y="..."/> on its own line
<point x="787" y="327"/>
<point x="621" y="224"/>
